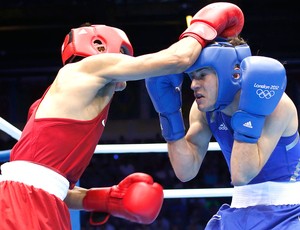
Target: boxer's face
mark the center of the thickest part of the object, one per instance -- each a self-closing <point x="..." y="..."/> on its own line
<point x="205" y="87"/>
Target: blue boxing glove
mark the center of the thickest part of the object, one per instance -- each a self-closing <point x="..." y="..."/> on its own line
<point x="263" y="84"/>
<point x="165" y="93"/>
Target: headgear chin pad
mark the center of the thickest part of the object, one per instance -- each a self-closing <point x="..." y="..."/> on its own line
<point x="84" y="41"/>
<point x="224" y="58"/>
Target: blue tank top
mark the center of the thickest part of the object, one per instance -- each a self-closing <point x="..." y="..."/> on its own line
<point x="284" y="162"/>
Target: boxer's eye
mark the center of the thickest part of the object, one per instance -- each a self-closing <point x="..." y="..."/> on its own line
<point x="122" y="50"/>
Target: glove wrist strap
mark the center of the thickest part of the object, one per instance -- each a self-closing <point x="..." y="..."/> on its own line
<point x="99" y="218"/>
<point x="202" y="32"/>
<point x="96" y="199"/>
<point x="172" y="126"/>
<point x="247" y="127"/>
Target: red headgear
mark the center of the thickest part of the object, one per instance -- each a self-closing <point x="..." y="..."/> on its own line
<point x="84" y="41"/>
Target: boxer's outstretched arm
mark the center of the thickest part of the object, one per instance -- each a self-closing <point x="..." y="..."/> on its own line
<point x="224" y="19"/>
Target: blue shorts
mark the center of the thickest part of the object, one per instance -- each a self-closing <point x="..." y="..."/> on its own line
<point x="260" y="217"/>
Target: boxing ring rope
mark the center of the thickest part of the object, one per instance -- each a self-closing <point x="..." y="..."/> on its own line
<point x="134" y="148"/>
<point x="10" y="129"/>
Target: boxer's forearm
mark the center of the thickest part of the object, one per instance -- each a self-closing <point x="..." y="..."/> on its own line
<point x="75" y="197"/>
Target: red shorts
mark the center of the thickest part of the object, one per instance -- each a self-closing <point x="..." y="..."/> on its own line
<point x="26" y="207"/>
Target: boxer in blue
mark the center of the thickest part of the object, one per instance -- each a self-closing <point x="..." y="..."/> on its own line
<point x="240" y="100"/>
<point x="65" y="125"/>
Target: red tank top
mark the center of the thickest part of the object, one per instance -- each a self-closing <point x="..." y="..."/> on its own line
<point x="64" y="145"/>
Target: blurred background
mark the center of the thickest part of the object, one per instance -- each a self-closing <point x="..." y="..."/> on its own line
<point x="31" y="34"/>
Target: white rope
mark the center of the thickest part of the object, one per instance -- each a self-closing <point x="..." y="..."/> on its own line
<point x="138" y="148"/>
<point x="142" y="148"/>
<point x="135" y="148"/>
<point x="109" y="148"/>
<point x="195" y="193"/>
<point x="10" y="129"/>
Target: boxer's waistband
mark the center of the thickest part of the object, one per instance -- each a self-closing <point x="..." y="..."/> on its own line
<point x="267" y="193"/>
<point x="36" y="175"/>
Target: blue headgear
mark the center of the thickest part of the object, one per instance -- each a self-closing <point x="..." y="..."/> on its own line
<point x="223" y="58"/>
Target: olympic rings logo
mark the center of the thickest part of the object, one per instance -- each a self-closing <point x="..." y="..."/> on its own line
<point x="267" y="94"/>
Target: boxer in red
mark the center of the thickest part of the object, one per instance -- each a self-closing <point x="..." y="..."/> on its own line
<point x="65" y="125"/>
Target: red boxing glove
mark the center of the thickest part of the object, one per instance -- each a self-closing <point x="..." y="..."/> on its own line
<point x="136" y="198"/>
<point x="217" y="19"/>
